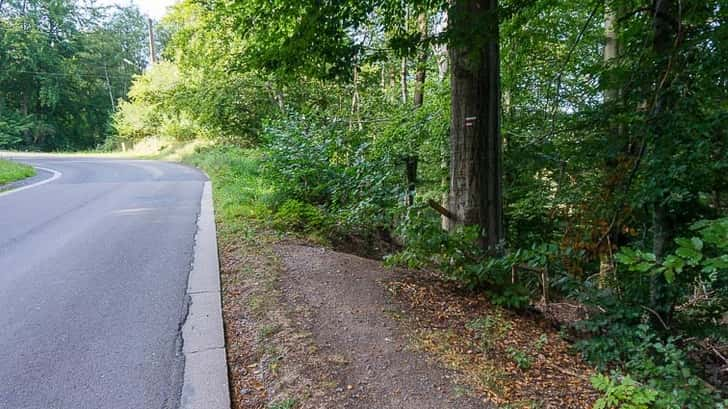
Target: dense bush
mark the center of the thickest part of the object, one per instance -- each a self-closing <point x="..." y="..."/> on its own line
<point x="327" y="166"/>
<point x="294" y="215"/>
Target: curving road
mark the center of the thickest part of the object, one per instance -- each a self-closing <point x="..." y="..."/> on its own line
<point x="93" y="277"/>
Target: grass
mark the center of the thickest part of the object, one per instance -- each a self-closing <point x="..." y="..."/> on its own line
<point x="284" y="404"/>
<point x="241" y="194"/>
<point x="12" y="171"/>
<point x="250" y="272"/>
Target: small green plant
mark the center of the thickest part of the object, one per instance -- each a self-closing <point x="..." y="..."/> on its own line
<point x="653" y="364"/>
<point x="541" y="342"/>
<point x="489" y="329"/>
<point x="267" y="330"/>
<point x="289" y="403"/>
<point x="624" y="393"/>
<point x="520" y="358"/>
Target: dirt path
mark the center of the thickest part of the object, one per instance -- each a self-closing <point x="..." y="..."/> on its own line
<point x="311" y="328"/>
<point x="338" y="299"/>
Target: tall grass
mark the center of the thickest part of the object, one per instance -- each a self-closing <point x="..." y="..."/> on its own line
<point x="11" y="171"/>
<point x="241" y="193"/>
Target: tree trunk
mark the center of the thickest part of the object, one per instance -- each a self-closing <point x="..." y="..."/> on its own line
<point x="403" y="80"/>
<point x="411" y="161"/>
<point x="665" y="25"/>
<point x="475" y="195"/>
<point x="611" y="52"/>
<point x="611" y="46"/>
<point x="355" y="103"/>
<point x="665" y="31"/>
<point x="421" y="62"/>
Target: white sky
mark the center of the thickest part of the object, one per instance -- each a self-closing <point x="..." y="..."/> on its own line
<point x="153" y="8"/>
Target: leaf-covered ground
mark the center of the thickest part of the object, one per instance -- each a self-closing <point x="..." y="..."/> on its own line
<point x="516" y="360"/>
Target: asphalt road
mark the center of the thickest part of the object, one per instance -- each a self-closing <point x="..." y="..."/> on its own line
<point x="93" y="277"/>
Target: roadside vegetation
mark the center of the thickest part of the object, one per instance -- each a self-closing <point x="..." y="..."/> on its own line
<point x="562" y="167"/>
<point x="12" y="171"/>
<point x="63" y="65"/>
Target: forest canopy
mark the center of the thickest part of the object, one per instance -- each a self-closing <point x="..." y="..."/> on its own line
<point x="63" y="65"/>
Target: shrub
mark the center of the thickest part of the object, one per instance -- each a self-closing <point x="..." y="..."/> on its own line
<point x="623" y="393"/>
<point x="658" y="369"/>
<point x="298" y="216"/>
<point x="521" y="358"/>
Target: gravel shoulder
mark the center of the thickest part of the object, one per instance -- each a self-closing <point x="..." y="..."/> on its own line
<point x="342" y="303"/>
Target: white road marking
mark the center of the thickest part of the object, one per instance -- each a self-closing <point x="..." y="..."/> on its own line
<point x="137" y="210"/>
<point x="56" y="175"/>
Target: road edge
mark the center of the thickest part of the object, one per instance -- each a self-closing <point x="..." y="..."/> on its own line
<point x="205" y="384"/>
<point x="11" y="189"/>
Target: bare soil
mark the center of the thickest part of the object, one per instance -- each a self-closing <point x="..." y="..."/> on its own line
<point x="308" y="327"/>
<point x="341" y="302"/>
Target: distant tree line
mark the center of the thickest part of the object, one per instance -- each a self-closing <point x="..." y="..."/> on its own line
<point x="63" y="66"/>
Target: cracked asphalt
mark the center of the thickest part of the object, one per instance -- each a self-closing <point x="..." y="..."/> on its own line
<point x="93" y="277"/>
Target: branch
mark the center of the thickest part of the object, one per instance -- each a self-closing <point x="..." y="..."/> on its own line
<point x="565" y="63"/>
<point x="656" y="315"/>
<point x="443" y="211"/>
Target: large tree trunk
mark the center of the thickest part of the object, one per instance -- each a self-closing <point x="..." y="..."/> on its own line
<point x="665" y="24"/>
<point x="475" y="196"/>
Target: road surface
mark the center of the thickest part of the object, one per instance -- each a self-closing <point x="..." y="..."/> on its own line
<point x="93" y="276"/>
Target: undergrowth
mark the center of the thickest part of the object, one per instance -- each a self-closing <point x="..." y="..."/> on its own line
<point x="643" y="363"/>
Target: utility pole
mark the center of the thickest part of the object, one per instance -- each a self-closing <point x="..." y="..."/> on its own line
<point x="152" y="51"/>
<point x="108" y="87"/>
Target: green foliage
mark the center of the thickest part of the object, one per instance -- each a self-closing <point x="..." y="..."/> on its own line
<point x="298" y="216"/>
<point x="612" y="334"/>
<point x="659" y="365"/>
<point x="327" y="167"/>
<point x="63" y="65"/>
<point x="490" y="329"/>
<point x="155" y="107"/>
<point x="700" y="261"/>
<point x="521" y="358"/>
<point x="242" y="196"/>
<point x="289" y="403"/>
<point x="13" y="128"/>
<point x="11" y="171"/>
<point x="622" y="394"/>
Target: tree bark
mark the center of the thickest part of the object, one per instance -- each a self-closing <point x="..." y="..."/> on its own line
<point x="403" y="80"/>
<point x="411" y="161"/>
<point x="611" y="52"/>
<point x="611" y="46"/>
<point x="421" y="72"/>
<point x="355" y="102"/>
<point x="475" y="195"/>
<point x="665" y="25"/>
